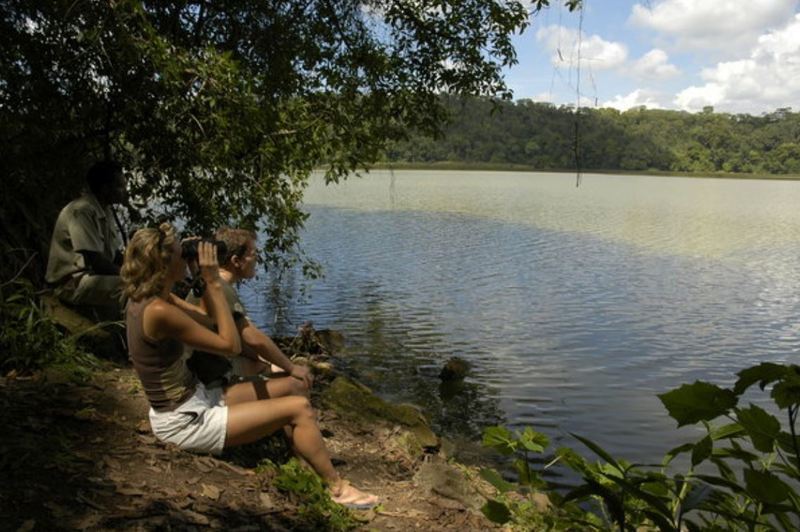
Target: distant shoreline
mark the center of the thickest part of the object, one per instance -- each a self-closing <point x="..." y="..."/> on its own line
<point x="507" y="167"/>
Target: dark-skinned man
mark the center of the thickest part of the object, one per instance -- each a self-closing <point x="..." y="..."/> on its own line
<point x="83" y="266"/>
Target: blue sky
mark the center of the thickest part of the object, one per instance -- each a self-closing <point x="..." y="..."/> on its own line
<point x="739" y="56"/>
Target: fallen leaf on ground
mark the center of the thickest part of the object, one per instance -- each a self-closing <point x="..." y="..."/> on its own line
<point x="131" y="492"/>
<point x="169" y="492"/>
<point x="237" y="469"/>
<point x="266" y="500"/>
<point x="212" y="492"/>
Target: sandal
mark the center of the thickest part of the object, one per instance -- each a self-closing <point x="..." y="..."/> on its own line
<point x="353" y="498"/>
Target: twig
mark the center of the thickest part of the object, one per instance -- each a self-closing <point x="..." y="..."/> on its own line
<point x="30" y="259"/>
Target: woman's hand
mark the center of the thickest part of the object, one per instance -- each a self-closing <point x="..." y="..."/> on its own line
<point x="207" y="258"/>
<point x="302" y="373"/>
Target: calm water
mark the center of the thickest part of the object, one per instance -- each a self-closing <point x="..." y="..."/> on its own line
<point x="575" y="306"/>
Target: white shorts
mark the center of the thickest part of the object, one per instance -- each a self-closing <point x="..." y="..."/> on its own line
<point x="198" y="425"/>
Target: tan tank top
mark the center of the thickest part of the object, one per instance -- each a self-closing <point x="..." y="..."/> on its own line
<point x="161" y="365"/>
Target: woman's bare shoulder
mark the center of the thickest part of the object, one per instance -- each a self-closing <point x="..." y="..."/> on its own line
<point x="159" y="316"/>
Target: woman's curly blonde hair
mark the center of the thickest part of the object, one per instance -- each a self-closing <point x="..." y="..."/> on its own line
<point x="147" y="258"/>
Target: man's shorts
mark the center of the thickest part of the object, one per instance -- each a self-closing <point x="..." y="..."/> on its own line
<point x="198" y="425"/>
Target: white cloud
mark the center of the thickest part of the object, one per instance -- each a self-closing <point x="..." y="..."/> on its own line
<point x="725" y="25"/>
<point x="768" y="79"/>
<point x="567" y="45"/>
<point x="637" y="98"/>
<point x="654" y="65"/>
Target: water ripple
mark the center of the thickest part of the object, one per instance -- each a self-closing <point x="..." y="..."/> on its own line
<point x="574" y="307"/>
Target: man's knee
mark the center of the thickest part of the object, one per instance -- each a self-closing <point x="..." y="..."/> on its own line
<point x="98" y="291"/>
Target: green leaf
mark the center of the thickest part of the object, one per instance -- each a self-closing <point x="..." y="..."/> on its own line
<point x="500" y="439"/>
<point x="574" y="461"/>
<point x="613" y="503"/>
<point x="580" y="493"/>
<point x="722" y="482"/>
<point x="598" y="451"/>
<point x="730" y="430"/>
<point x="494" y="478"/>
<point x="496" y="511"/>
<point x="787" y="470"/>
<point x="761" y="426"/>
<point x="764" y="374"/>
<point x="533" y="441"/>
<point x="739" y="454"/>
<point x="662" y="522"/>
<point x="787" y="442"/>
<point x="659" y="488"/>
<point x="786" y="393"/>
<point x="698" y="494"/>
<point x="724" y="469"/>
<point x="702" y="450"/>
<point x="526" y="474"/>
<point x="701" y="401"/>
<point x="655" y="502"/>
<point x="676" y="451"/>
<point x="765" y="487"/>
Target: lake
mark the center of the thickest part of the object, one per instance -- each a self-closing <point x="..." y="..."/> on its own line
<point x="575" y="306"/>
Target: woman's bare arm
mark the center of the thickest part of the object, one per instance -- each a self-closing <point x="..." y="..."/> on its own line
<point x="197" y="313"/>
<point x="163" y="319"/>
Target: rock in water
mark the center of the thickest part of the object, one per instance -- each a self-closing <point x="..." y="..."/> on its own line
<point x="455" y="369"/>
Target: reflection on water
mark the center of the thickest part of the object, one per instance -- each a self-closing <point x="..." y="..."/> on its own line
<point x="689" y="216"/>
<point x="574" y="306"/>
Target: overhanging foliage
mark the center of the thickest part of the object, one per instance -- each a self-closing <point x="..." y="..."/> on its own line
<point x="221" y="110"/>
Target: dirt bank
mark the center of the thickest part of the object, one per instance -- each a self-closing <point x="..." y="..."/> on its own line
<point x="81" y="456"/>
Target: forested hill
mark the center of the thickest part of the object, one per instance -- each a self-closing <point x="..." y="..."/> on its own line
<point x="542" y="136"/>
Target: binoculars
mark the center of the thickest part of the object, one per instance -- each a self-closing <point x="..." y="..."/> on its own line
<point x="189" y="249"/>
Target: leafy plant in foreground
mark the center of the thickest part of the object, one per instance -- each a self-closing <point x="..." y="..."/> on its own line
<point x="757" y="462"/>
<point x="30" y="339"/>
<point x="315" y="504"/>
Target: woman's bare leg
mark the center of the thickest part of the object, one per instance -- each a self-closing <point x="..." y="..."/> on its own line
<point x="259" y="389"/>
<point x="270" y="389"/>
<point x="252" y="420"/>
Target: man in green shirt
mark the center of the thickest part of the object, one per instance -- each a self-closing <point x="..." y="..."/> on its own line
<point x="84" y="259"/>
<point x="258" y="349"/>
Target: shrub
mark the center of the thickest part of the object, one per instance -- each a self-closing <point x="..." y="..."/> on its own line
<point x="30" y="339"/>
<point x="757" y="461"/>
<point x="315" y="504"/>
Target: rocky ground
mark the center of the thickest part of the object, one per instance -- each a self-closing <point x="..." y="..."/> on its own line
<point x="80" y="455"/>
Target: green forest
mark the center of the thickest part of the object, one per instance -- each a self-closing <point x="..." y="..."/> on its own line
<point x="543" y="136"/>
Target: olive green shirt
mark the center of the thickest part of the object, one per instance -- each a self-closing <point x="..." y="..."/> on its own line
<point x="82" y="225"/>
<point x="231" y="296"/>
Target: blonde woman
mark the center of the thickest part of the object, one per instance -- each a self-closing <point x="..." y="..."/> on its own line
<point x="182" y="410"/>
